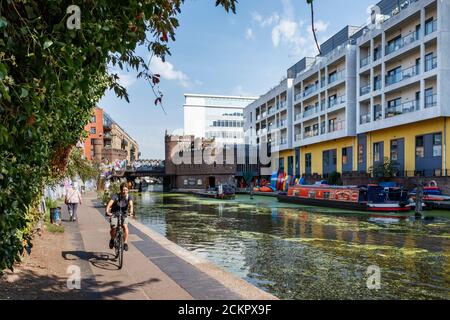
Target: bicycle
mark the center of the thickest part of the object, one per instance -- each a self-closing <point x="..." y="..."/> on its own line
<point x="119" y="238"/>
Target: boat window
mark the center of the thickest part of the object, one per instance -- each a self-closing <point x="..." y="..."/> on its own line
<point x="326" y="195"/>
<point x="312" y="194"/>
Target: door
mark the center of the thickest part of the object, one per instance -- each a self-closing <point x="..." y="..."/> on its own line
<point x="398" y="155"/>
<point x="212" y="182"/>
<point x="378" y="154"/>
<point x="347" y="159"/>
<point x="308" y="163"/>
<point x="291" y="166"/>
<point x="328" y="162"/>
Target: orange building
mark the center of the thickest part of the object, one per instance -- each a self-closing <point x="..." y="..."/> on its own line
<point x="95" y="130"/>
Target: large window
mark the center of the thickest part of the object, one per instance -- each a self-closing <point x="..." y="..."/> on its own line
<point x="394" y="150"/>
<point x="437" y="145"/>
<point x="420" y="150"/>
<point x="377" y="152"/>
<point x="360" y="153"/>
<point x="93" y="130"/>
<point x="308" y="160"/>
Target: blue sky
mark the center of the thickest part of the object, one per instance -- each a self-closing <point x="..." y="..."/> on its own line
<point x="219" y="53"/>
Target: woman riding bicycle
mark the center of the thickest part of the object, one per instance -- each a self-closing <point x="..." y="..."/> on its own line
<point x="122" y="202"/>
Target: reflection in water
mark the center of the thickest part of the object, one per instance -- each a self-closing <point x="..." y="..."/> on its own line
<point x="298" y="252"/>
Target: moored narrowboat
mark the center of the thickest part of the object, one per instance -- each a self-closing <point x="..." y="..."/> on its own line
<point x="364" y="198"/>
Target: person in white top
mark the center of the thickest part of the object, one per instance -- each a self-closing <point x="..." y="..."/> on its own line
<point x="72" y="199"/>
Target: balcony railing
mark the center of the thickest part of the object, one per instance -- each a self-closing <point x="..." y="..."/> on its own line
<point x="430" y="63"/>
<point x="364" y="90"/>
<point x="364" y="61"/>
<point x="310" y="90"/>
<point x="270" y="111"/>
<point x="322" y="127"/>
<point x="283" y="141"/>
<point x="377" y="54"/>
<point x="364" y="118"/>
<point x="402" y="75"/>
<point x="431" y="101"/>
<point x="264" y="114"/>
<point x="405" y="107"/>
<point x="377" y="85"/>
<point x="297" y="116"/>
<point x="430" y="27"/>
<point x="298" y="137"/>
<point x="336" y="77"/>
<point x="298" y="96"/>
<point x="258" y="117"/>
<point x="310" y="111"/>
<point x="311" y="133"/>
<point x="282" y="123"/>
<point x="281" y="104"/>
<point x="336" y="126"/>
<point x="338" y="100"/>
<point x="400" y="43"/>
<point x="378" y="113"/>
<point x="322" y="82"/>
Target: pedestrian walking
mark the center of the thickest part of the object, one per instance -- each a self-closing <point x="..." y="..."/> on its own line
<point x="72" y="199"/>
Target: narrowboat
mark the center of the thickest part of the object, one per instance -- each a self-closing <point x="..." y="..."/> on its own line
<point x="361" y="198"/>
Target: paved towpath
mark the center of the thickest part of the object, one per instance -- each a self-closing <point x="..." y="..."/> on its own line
<point x="154" y="267"/>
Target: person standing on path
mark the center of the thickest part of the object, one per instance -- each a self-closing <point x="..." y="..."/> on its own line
<point x="72" y="199"/>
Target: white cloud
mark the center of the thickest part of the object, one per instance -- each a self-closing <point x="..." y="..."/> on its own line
<point x="240" y="91"/>
<point x="249" y="34"/>
<point x="168" y="72"/>
<point x="126" y="80"/>
<point x="291" y="32"/>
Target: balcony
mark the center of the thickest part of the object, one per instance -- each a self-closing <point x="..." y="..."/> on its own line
<point x="270" y="111"/>
<point x="322" y="82"/>
<point x="364" y="61"/>
<point x="402" y="75"/>
<point x="264" y="114"/>
<point x="258" y="117"/>
<point x="430" y="63"/>
<point x="298" y="96"/>
<point x="377" y="84"/>
<point x="310" y="90"/>
<point x="401" y="42"/>
<point x="283" y="141"/>
<point x="403" y="108"/>
<point x="297" y="116"/>
<point x="378" y="113"/>
<point x="298" y="137"/>
<point x="282" y="123"/>
<point x="336" y="126"/>
<point x="311" y="133"/>
<point x="269" y="128"/>
<point x="364" y="90"/>
<point x="310" y="111"/>
<point x="364" y="118"/>
<point x="431" y="101"/>
<point x="377" y="54"/>
<point x="336" y="76"/>
<point x="281" y="104"/>
<point x="336" y="101"/>
<point x="430" y="27"/>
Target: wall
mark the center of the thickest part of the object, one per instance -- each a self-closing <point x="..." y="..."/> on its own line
<point x="98" y="125"/>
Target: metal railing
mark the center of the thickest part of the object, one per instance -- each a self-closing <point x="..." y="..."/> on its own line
<point x="282" y="123"/>
<point x="311" y="133"/>
<point x="378" y="112"/>
<point x="298" y="96"/>
<point x="403" y="41"/>
<point x="364" y="90"/>
<point x="281" y="104"/>
<point x="339" y="100"/>
<point x="364" y="118"/>
<point x="430" y="63"/>
<point x="297" y="116"/>
<point x="283" y="141"/>
<point x="310" y="90"/>
<point x="431" y="101"/>
<point x="298" y="137"/>
<point x="402" y="75"/>
<point x="403" y="108"/>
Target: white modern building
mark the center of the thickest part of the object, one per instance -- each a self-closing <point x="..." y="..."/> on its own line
<point x="215" y="116"/>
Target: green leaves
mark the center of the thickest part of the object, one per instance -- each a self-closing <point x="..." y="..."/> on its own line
<point x="23" y="93"/>
<point x="3" y="23"/>
<point x="47" y="44"/>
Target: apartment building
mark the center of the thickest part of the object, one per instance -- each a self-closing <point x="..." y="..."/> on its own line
<point x="376" y="91"/>
<point x="215" y="117"/>
<point x="403" y="87"/>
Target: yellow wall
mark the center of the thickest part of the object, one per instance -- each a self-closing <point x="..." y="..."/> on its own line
<point x="317" y="149"/>
<point x="285" y="154"/>
<point x="409" y="133"/>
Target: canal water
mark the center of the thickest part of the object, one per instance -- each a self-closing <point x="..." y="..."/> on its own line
<point x="299" y="252"/>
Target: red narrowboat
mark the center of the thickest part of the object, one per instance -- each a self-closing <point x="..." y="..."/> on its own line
<point x="365" y="198"/>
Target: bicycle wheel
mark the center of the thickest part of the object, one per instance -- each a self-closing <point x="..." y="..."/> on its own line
<point x="120" y="249"/>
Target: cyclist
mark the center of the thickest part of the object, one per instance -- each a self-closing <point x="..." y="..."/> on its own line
<point x="122" y="202"/>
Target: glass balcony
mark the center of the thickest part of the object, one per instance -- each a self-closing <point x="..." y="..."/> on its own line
<point x="281" y="104"/>
<point x="264" y="114"/>
<point x="364" y="61"/>
<point x="270" y="111"/>
<point x="430" y="63"/>
<point x="283" y="141"/>
<point x="310" y="111"/>
<point x="336" y="76"/>
<point x="323" y="105"/>
<point x="377" y="85"/>
<point x="282" y="123"/>
<point x="322" y="82"/>
<point x="263" y="130"/>
<point x="364" y="118"/>
<point x="364" y="90"/>
<point x="336" y="101"/>
<point x="297" y="116"/>
<point x="311" y="133"/>
<point x="377" y="54"/>
<point x="430" y="27"/>
<point x="298" y="96"/>
<point x="402" y="75"/>
<point x="269" y="127"/>
<point x="322" y="127"/>
<point x="336" y="126"/>
<point x="406" y="107"/>
<point x="298" y="137"/>
<point x="258" y="117"/>
<point x="401" y="42"/>
<point x="431" y="101"/>
<point x="310" y="90"/>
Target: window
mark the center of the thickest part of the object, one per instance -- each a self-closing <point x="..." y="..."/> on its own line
<point x="281" y="163"/>
<point x="93" y="119"/>
<point x="360" y="153"/>
<point x="308" y="160"/>
<point x="429" y="26"/>
<point x="394" y="150"/>
<point x="429" y="98"/>
<point x="93" y="130"/>
<point x="377" y="152"/>
<point x="344" y="156"/>
<point x="420" y="151"/>
<point x="437" y="145"/>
